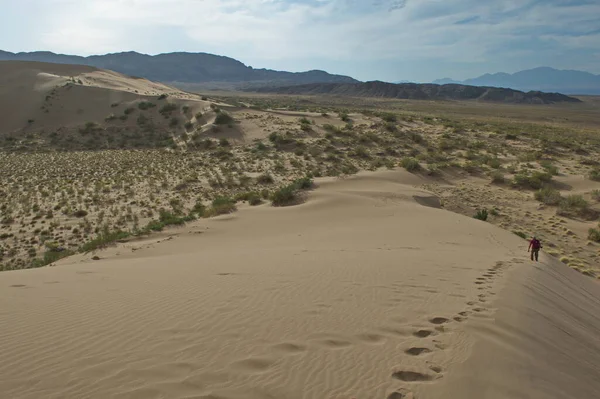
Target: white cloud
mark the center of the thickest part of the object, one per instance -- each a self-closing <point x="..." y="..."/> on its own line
<point x="334" y="30"/>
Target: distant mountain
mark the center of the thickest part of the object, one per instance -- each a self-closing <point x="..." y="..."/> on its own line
<point x="181" y="67"/>
<point x="421" y="92"/>
<point x="538" y="79"/>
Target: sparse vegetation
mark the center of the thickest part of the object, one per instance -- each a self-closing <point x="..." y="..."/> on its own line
<point x="548" y="195"/>
<point x="291" y="194"/>
<point x="410" y="164"/>
<point x="481" y="214"/>
<point x="223" y="118"/>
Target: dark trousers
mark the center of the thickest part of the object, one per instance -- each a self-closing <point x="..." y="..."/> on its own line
<point x="535" y="253"/>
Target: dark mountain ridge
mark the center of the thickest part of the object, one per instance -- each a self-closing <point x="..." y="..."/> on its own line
<point x="415" y="91"/>
<point x="180" y="67"/>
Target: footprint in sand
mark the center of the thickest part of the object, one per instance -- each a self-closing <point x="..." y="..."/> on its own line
<point x="423" y="333"/>
<point x="439" y="320"/>
<point x="415" y="351"/>
<point x="413" y="376"/>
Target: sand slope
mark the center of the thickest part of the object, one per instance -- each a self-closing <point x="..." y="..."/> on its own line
<point x="35" y="95"/>
<point x="365" y="291"/>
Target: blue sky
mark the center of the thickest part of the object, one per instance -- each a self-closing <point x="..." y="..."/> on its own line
<point x="418" y="40"/>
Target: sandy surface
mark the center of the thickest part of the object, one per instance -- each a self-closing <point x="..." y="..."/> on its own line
<point x="365" y="291"/>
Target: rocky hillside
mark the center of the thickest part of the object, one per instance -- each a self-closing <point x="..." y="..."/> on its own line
<point x="416" y="91"/>
<point x="181" y="67"/>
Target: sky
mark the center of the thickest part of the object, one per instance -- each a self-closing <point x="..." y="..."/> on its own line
<point x="389" y="40"/>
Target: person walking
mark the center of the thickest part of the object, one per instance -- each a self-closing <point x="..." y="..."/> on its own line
<point x="534" y="247"/>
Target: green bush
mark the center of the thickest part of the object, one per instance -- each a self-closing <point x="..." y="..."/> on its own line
<point x="104" y="238"/>
<point x="575" y="205"/>
<point x="167" y="109"/>
<point x="549" y="167"/>
<point x="223" y="118"/>
<point x="221" y="206"/>
<point x="595" y="174"/>
<point x="144" y="105"/>
<point x="596" y="195"/>
<point x="252" y="197"/>
<point x="594" y="234"/>
<point x="265" y="178"/>
<point x="287" y="195"/>
<point x="199" y="208"/>
<point x="481" y="214"/>
<point x="290" y="194"/>
<point x="80" y="213"/>
<point x="548" y="195"/>
<point x="498" y="177"/>
<point x="532" y="181"/>
<point x="410" y="164"/>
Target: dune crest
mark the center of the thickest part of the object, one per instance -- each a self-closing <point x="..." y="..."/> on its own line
<point x="361" y="292"/>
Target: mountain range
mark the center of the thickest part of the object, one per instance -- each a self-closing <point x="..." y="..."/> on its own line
<point x="415" y="91"/>
<point x="538" y="79"/>
<point x="181" y="67"/>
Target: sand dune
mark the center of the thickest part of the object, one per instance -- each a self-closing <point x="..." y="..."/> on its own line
<point x="36" y="95"/>
<point x="365" y="291"/>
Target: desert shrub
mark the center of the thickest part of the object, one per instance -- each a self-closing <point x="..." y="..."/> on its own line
<point x="497" y="177"/>
<point x="532" y="181"/>
<point x="304" y="183"/>
<point x="595" y="174"/>
<point x="548" y="195"/>
<point x="265" y="178"/>
<point x="596" y="195"/>
<point x="53" y="255"/>
<point x="481" y="214"/>
<point x="80" y="213"/>
<point x="144" y="105"/>
<point x="575" y="205"/>
<point x="410" y="164"/>
<point x="594" y="234"/>
<point x="162" y="97"/>
<point x="223" y="118"/>
<point x="169" y="218"/>
<point x="174" y="121"/>
<point x="128" y="110"/>
<point x="185" y="109"/>
<point x="198" y="115"/>
<point x="167" y="109"/>
<point x="199" y="208"/>
<point x="252" y="197"/>
<point x="549" y="167"/>
<point x="104" y="238"/>
<point x="290" y="194"/>
<point x="188" y="126"/>
<point x="344" y="117"/>
<point x="388" y="117"/>
<point x="221" y="206"/>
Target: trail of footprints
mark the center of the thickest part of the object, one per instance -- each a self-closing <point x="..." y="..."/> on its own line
<point x="430" y="372"/>
<point x="426" y="373"/>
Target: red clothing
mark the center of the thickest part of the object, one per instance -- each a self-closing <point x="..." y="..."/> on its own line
<point x="535" y="244"/>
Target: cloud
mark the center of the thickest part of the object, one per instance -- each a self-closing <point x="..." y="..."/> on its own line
<point x="341" y="32"/>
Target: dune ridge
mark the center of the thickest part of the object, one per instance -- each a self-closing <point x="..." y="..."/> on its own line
<point x="361" y="292"/>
